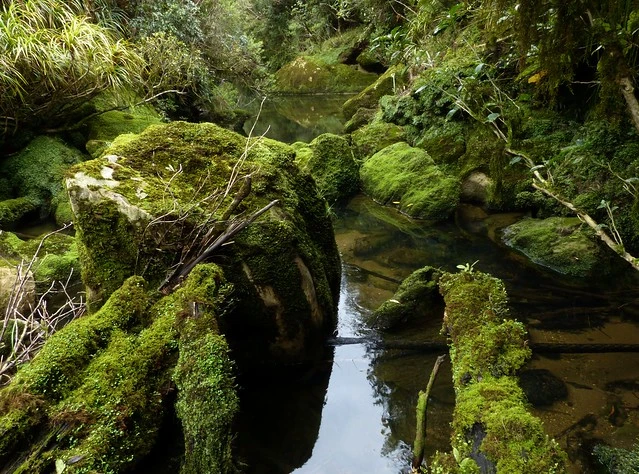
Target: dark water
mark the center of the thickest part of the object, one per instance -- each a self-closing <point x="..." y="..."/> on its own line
<point x="355" y="412"/>
<point x="297" y="118"/>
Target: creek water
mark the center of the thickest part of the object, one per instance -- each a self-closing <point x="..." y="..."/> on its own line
<point x="354" y="410"/>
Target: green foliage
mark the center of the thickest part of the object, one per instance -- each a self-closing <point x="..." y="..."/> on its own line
<point x="408" y="177"/>
<point x="54" y="61"/>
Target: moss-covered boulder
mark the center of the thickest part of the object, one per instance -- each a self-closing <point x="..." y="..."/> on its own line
<point x="150" y="199"/>
<point x="416" y="298"/>
<point x="562" y="244"/>
<point x="35" y="175"/>
<point x="313" y="75"/>
<point x="376" y="136"/>
<point x="329" y="159"/>
<point x="492" y="429"/>
<point x="94" y="398"/>
<point x="360" y="118"/>
<point x="409" y="178"/>
<point x="368" y="98"/>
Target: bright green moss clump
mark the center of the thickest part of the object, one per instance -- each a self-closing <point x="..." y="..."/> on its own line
<point x="332" y="165"/>
<point x="491" y="424"/>
<point x="376" y="136"/>
<point x="408" y="177"/>
<point x="94" y="398"/>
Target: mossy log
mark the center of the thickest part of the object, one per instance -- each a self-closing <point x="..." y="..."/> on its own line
<point x="492" y="429"/>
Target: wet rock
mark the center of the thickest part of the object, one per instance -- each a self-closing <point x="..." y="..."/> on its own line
<point x="416" y="298"/>
<point x="541" y="387"/>
<point x="561" y="244"/>
<point x="408" y="178"/>
<point x="475" y="187"/>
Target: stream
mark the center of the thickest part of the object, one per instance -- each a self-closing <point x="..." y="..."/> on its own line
<point x="354" y="410"/>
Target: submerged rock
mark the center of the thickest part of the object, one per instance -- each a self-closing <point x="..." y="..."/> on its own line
<point x="408" y="178"/>
<point x="145" y="201"/>
<point x="415" y="298"/>
<point x="562" y="244"/>
<point x="329" y="159"/>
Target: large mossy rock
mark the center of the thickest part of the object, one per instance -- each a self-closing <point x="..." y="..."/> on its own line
<point x="149" y="196"/>
<point x="329" y="159"/>
<point x="312" y="75"/>
<point x="417" y="297"/>
<point x="409" y="178"/>
<point x="35" y="177"/>
<point x="562" y="244"/>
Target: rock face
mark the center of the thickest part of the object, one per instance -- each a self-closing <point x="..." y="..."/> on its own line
<point x="409" y="178"/>
<point x="141" y="205"/>
<point x="561" y="244"/>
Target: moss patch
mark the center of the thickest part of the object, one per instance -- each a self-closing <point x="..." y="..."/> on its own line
<point x="414" y="299"/>
<point x="408" y="177"/>
<point x="312" y="75"/>
<point x="36" y="174"/>
<point x="376" y="136"/>
<point x="332" y="165"/>
<point x="562" y="244"/>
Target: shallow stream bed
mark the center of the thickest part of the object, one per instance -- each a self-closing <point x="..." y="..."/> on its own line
<point x="355" y="411"/>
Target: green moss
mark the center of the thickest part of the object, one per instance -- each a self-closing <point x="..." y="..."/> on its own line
<point x="332" y="165"/>
<point x="414" y="299"/>
<point x="13" y="210"/>
<point x="36" y="174"/>
<point x="408" y="178"/>
<point x="311" y="75"/>
<point x="360" y="118"/>
<point x="444" y="142"/>
<point x="376" y="136"/>
<point x="561" y="244"/>
<point x="486" y="351"/>
<point x="368" y="98"/>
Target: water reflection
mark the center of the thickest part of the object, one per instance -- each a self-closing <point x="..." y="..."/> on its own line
<point x="298" y="118"/>
<point x="367" y="412"/>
